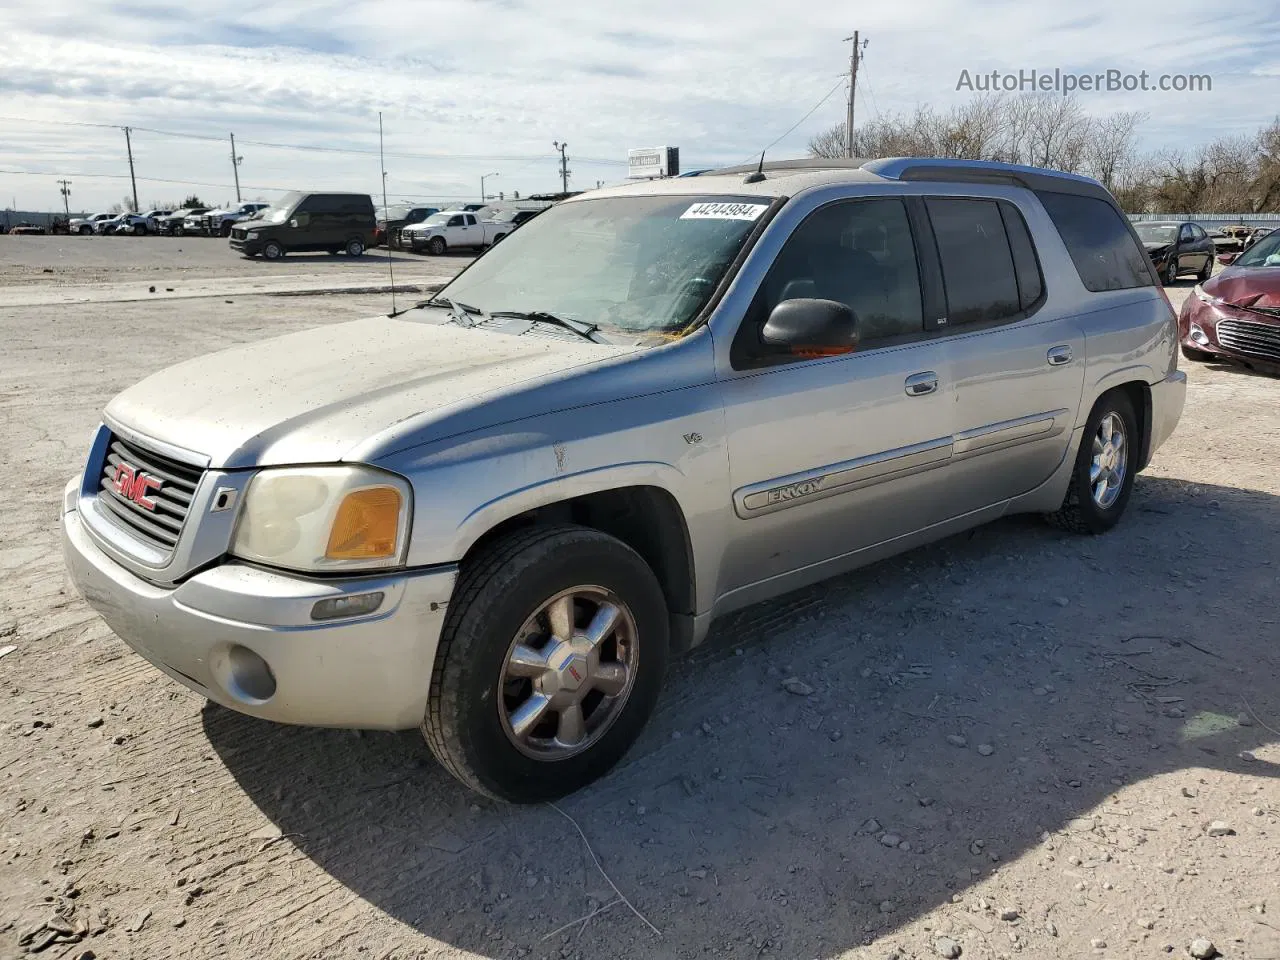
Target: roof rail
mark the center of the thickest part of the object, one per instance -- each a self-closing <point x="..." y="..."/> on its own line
<point x="941" y="168"/>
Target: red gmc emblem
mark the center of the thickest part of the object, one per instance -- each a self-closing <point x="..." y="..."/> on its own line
<point x="576" y="675"/>
<point x="133" y="484"/>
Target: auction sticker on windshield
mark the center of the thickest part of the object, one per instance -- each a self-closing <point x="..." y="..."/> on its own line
<point x="724" y="211"/>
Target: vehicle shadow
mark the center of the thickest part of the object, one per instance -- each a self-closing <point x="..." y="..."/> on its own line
<point x="372" y="258"/>
<point x="752" y="821"/>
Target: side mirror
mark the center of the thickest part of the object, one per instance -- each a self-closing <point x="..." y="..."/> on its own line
<point x="811" y="328"/>
<point x="294" y="224"/>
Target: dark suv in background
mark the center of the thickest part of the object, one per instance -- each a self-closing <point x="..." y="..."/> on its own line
<point x="307" y="222"/>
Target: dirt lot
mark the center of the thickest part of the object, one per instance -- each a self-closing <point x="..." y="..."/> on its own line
<point x="1015" y="743"/>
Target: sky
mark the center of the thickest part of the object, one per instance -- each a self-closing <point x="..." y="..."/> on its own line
<point x="474" y="87"/>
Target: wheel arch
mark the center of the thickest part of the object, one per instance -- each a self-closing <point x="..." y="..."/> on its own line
<point x="646" y="517"/>
<point x="1138" y="391"/>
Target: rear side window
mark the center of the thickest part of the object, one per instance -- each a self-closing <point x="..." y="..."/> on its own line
<point x="1026" y="267"/>
<point x="977" y="263"/>
<point x="1100" y="243"/>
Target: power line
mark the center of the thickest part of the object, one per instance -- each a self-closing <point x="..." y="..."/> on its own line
<point x="812" y="110"/>
<point x="318" y="148"/>
<point x="204" y="183"/>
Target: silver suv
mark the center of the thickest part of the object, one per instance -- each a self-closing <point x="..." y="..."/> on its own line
<point x="498" y="515"/>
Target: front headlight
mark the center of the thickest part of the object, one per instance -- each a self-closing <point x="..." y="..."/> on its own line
<point x="320" y="519"/>
<point x="1203" y="297"/>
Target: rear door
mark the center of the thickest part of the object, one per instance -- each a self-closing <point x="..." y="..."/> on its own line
<point x="1015" y="352"/>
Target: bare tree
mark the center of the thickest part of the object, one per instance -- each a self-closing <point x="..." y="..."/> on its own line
<point x="1111" y="150"/>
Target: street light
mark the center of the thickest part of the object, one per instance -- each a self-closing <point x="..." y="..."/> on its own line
<point x="483" y="197"/>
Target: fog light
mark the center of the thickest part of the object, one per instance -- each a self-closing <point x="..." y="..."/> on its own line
<point x="1198" y="335"/>
<point x="353" y="606"/>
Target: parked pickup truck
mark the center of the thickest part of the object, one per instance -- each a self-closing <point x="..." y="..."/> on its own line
<point x="452" y="230"/>
<point x="499" y="515"/>
<point x="218" y="223"/>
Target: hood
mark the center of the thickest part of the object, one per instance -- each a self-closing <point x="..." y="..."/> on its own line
<point x="1247" y="286"/>
<point x="1153" y="246"/>
<point x="313" y="396"/>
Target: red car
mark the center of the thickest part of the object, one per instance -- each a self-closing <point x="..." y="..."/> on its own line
<point x="1236" y="315"/>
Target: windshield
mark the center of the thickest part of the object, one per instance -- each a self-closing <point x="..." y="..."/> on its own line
<point x="1156" y="232"/>
<point x="395" y="212"/>
<point x="632" y="265"/>
<point x="438" y="219"/>
<point x="279" y="211"/>
<point x="1264" y="253"/>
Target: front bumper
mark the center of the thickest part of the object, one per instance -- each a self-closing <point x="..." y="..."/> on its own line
<point x="1248" y="337"/>
<point x="249" y="245"/>
<point x="243" y="636"/>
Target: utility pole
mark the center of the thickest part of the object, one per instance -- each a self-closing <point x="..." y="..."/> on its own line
<point x="128" y="144"/>
<point x="483" y="197"/>
<point x="235" y="165"/>
<point x="64" y="187"/>
<point x="564" y="165"/>
<point x="854" y="56"/>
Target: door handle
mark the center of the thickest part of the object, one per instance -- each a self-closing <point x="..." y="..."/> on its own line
<point x="921" y="384"/>
<point x="1059" y="355"/>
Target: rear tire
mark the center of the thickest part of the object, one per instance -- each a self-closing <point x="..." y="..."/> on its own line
<point x="1093" y="503"/>
<point x="474" y="701"/>
<point x="272" y="250"/>
<point x="1206" y="271"/>
<point x="436" y="246"/>
<point x="355" y="247"/>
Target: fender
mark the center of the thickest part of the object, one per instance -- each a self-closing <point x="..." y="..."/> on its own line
<point x="1135" y="372"/>
<point x="641" y="473"/>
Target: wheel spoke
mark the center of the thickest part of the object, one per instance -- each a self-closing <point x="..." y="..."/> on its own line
<point x="610" y="679"/>
<point x="526" y="662"/>
<point x="560" y="614"/>
<point x="527" y="715"/>
<point x="1095" y="471"/>
<point x="572" y="728"/>
<point x="602" y="623"/>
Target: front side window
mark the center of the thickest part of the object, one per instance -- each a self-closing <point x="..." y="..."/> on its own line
<point x="977" y="263"/>
<point x="457" y="221"/>
<point x="857" y="252"/>
<point x="1187" y="234"/>
<point x="634" y="265"/>
<point x="1100" y="244"/>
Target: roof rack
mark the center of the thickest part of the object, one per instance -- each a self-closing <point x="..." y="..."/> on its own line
<point x="942" y="168"/>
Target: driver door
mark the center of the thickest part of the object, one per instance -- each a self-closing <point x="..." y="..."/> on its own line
<point x="832" y="455"/>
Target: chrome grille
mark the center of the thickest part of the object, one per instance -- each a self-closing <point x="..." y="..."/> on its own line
<point x="159" y="527"/>
<point x="1254" y="339"/>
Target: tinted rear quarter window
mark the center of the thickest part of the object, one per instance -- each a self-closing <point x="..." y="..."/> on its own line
<point x="1099" y="241"/>
<point x="977" y="264"/>
<point x="1026" y="266"/>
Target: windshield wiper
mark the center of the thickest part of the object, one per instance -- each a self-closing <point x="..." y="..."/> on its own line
<point x="585" y="330"/>
<point x="464" y="313"/>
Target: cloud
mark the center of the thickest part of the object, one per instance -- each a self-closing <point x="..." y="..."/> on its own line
<point x="488" y="84"/>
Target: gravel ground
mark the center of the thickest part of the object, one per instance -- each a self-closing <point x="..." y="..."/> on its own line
<point x="1014" y="742"/>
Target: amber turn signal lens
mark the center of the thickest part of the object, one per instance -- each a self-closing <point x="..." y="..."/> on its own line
<point x="366" y="525"/>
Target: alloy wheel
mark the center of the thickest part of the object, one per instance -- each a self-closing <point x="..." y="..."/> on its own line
<point x="568" y="673"/>
<point x="1110" y="461"/>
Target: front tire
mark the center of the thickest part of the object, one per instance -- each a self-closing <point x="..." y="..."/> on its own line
<point x="272" y="250"/>
<point x="549" y="664"/>
<point x="86" y="230"/>
<point x="1170" y="274"/>
<point x="436" y="246"/>
<point x="1104" y="470"/>
<point x="225" y="229"/>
